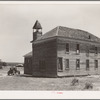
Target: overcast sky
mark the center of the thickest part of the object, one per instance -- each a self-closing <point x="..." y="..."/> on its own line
<point x="17" y="20"/>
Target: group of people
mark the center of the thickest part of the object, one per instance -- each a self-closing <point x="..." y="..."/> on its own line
<point x="13" y="71"/>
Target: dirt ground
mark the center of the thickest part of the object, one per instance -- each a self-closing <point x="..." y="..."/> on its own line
<point x="21" y="82"/>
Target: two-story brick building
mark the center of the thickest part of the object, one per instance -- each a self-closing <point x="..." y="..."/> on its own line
<point x="64" y="51"/>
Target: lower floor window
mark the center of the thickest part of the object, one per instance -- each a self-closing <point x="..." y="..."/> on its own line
<point x="77" y="64"/>
<point x="87" y="64"/>
<point x="96" y="64"/>
<point x="60" y="66"/>
<point x="66" y="64"/>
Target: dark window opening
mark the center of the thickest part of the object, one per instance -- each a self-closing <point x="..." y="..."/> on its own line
<point x="66" y="64"/>
<point x="77" y="64"/>
<point x="96" y="64"/>
<point x="60" y="66"/>
<point x="67" y="47"/>
<point x="96" y="50"/>
<point x="78" y="49"/>
<point x="42" y="65"/>
<point x="87" y="64"/>
<point x="89" y="37"/>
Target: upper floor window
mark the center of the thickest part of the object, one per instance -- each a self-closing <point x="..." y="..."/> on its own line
<point x="67" y="47"/>
<point x="89" y="37"/>
<point x="96" y="50"/>
<point x="78" y="48"/>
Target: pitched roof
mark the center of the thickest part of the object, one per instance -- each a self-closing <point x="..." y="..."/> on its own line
<point x="28" y="54"/>
<point x="70" y="33"/>
<point x="37" y="25"/>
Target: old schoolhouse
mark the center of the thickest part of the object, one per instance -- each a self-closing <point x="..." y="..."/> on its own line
<point x="62" y="51"/>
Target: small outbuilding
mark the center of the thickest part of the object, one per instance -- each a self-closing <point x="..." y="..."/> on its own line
<point x="28" y="63"/>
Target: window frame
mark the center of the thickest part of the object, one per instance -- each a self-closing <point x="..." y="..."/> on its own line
<point x="77" y="64"/>
<point x="87" y="62"/>
<point x="67" y="63"/>
<point x="67" y="47"/>
<point x="60" y="64"/>
<point x="77" y="48"/>
<point x="96" y="50"/>
<point x="96" y="66"/>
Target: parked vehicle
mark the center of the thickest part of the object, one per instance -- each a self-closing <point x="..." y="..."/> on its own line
<point x="19" y="65"/>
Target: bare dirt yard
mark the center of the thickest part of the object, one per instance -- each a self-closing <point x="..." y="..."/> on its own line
<point x="21" y="82"/>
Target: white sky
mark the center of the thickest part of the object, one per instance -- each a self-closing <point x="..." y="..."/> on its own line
<point x="17" y="20"/>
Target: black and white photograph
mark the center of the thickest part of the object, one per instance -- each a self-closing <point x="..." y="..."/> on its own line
<point x="49" y="46"/>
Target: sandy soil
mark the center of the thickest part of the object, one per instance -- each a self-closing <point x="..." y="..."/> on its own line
<point x="21" y="82"/>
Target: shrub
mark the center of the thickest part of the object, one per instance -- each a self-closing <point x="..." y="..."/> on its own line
<point x="75" y="82"/>
<point x="88" y="85"/>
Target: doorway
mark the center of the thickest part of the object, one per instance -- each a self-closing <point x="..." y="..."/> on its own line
<point x="60" y="66"/>
<point x="66" y="64"/>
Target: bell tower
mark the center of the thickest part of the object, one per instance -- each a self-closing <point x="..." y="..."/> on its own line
<point x="37" y="30"/>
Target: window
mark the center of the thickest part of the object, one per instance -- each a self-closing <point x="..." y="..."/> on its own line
<point x="96" y="50"/>
<point x="96" y="64"/>
<point x="35" y="30"/>
<point x="60" y="66"/>
<point x="42" y="66"/>
<point x="87" y="64"/>
<point x="66" y="64"/>
<point x="89" y="37"/>
<point x="77" y="64"/>
<point x="78" y="48"/>
<point x="67" y="47"/>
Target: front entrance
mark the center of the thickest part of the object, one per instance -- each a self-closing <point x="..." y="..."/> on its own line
<point x="60" y="66"/>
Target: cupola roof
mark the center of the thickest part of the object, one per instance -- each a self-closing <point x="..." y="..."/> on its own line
<point x="37" y="25"/>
